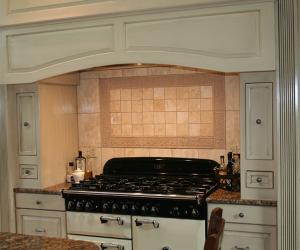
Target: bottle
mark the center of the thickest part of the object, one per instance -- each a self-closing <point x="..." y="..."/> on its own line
<point x="70" y="170"/>
<point x="230" y="163"/>
<point x="80" y="162"/>
<point x="222" y="169"/>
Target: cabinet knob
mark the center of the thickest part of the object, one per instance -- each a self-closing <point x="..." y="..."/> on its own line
<point x="258" y="179"/>
<point x="26" y="124"/>
<point x="38" y="202"/>
<point x="241" y="215"/>
<point x="27" y="172"/>
<point x="258" y="121"/>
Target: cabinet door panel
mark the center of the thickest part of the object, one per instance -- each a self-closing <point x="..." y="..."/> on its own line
<point x="259" y="132"/>
<point x="26" y="106"/>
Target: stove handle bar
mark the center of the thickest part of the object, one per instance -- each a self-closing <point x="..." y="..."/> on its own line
<point x="140" y="222"/>
<point x="105" y="219"/>
<point x="104" y="246"/>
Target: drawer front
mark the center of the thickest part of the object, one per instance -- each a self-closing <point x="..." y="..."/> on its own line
<point x="97" y="224"/>
<point x="42" y="223"/>
<point x="247" y="214"/>
<point x="28" y="171"/>
<point x="103" y="243"/>
<point x="40" y="201"/>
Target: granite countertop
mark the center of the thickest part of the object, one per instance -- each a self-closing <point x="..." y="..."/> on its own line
<point x="24" y="242"/>
<point x="56" y="189"/>
<point x="221" y="196"/>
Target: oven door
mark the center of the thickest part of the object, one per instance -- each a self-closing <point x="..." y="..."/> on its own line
<point x="152" y="233"/>
<point x="105" y="243"/>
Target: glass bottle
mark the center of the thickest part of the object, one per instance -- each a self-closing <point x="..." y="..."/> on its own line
<point x="80" y="162"/>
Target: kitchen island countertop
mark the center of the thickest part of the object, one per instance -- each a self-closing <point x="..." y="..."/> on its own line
<point x="21" y="242"/>
<point x="56" y="189"/>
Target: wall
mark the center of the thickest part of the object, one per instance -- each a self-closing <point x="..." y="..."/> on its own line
<point x="90" y="123"/>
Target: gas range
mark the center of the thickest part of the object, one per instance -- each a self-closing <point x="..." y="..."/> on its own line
<point x="146" y="186"/>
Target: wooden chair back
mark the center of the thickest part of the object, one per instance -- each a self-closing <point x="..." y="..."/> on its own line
<point x="215" y="230"/>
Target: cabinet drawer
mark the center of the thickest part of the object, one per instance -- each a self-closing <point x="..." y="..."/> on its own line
<point x="116" y="226"/>
<point x="40" y="201"/>
<point x="42" y="223"/>
<point x="247" y="214"/>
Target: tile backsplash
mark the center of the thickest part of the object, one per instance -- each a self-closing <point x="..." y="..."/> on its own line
<point x="158" y="112"/>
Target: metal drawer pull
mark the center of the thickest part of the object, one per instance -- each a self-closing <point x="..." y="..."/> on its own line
<point x="258" y="121"/>
<point x="141" y="222"/>
<point x="40" y="230"/>
<point x="111" y="245"/>
<point x="241" y="248"/>
<point x="27" y="172"/>
<point x="105" y="219"/>
<point x="38" y="202"/>
<point x="241" y="215"/>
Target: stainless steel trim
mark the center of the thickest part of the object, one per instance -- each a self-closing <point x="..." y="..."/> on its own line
<point x="111" y="245"/>
<point x="105" y="219"/>
<point x="140" y="222"/>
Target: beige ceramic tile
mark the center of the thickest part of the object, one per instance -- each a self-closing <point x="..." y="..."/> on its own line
<point x="137" y="130"/>
<point x="126" y="130"/>
<point x="170" y="93"/>
<point x="88" y="96"/>
<point x="89" y="130"/>
<point x="125" y="106"/>
<point x="159" y="130"/>
<point x="110" y="73"/>
<point x="160" y="152"/>
<point x="137" y="118"/>
<point x="93" y="159"/>
<point x="232" y="92"/>
<point x="182" y="92"/>
<point x="115" y="94"/>
<point x="182" y="129"/>
<point x="148" y="93"/>
<point x="89" y="75"/>
<point x="159" y="105"/>
<point x="171" y="117"/>
<point x="137" y="106"/>
<point x="153" y="71"/>
<point x="206" y="129"/>
<point x="206" y="104"/>
<point x="182" y="117"/>
<point x="207" y="117"/>
<point x="182" y="105"/>
<point x="148" y="117"/>
<point x="186" y="153"/>
<point x="115" y="118"/>
<point x="232" y="129"/>
<point x="194" y="129"/>
<point x="126" y="94"/>
<point x="194" y="92"/>
<point x="148" y="130"/>
<point x="115" y="106"/>
<point x="147" y="105"/>
<point x="206" y="91"/>
<point x="126" y="118"/>
<point x="135" y="72"/>
<point x="159" y="93"/>
<point x="108" y="153"/>
<point x="171" y="130"/>
<point x="137" y="94"/>
<point x="194" y="104"/>
<point x="170" y="105"/>
<point x="212" y="154"/>
<point x="194" y="117"/>
<point x="159" y="117"/>
<point x="136" y="152"/>
<point x="116" y="130"/>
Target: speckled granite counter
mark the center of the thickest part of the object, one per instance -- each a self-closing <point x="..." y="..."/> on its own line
<point x="50" y="190"/>
<point x="21" y="242"/>
<point x="225" y="197"/>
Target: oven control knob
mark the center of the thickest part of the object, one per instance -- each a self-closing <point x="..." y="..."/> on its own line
<point x="89" y="206"/>
<point x="175" y="211"/>
<point x="144" y="209"/>
<point x="124" y="208"/>
<point x="194" y="213"/>
<point x="134" y="209"/>
<point x="105" y="207"/>
<point x="79" y="205"/>
<point x="115" y="208"/>
<point x="154" y="210"/>
<point x="71" y="205"/>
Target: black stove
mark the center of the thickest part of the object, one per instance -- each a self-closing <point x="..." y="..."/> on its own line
<point x="147" y="186"/>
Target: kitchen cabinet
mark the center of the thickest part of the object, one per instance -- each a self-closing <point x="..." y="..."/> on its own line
<point x="39" y="214"/>
<point x="248" y="227"/>
<point x="43" y="134"/>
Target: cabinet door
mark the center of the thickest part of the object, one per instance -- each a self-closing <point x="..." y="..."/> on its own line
<point x="26" y="120"/>
<point x="42" y="223"/>
<point x="259" y="132"/>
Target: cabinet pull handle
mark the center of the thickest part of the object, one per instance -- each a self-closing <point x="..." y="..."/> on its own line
<point x="241" y="215"/>
<point x="258" y="121"/>
<point x="258" y="179"/>
<point x="26" y="124"/>
<point x="105" y="219"/>
<point x="40" y="230"/>
<point x="241" y="248"/>
<point x="141" y="222"/>
<point x="38" y="202"/>
<point x="104" y="246"/>
<point x="27" y="172"/>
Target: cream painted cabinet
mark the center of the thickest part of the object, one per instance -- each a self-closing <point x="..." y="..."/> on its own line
<point x="248" y="227"/>
<point x="34" y="218"/>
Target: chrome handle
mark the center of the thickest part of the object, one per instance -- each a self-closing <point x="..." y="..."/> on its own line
<point x="111" y="245"/>
<point x="241" y="248"/>
<point x="258" y="121"/>
<point x="241" y="215"/>
<point x="40" y="230"/>
<point x="26" y="124"/>
<point x="258" y="179"/>
<point x="166" y="248"/>
<point x="105" y="219"/>
<point x="38" y="202"/>
<point x="141" y="222"/>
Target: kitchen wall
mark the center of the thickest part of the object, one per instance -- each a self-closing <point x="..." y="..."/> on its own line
<point x="93" y="105"/>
